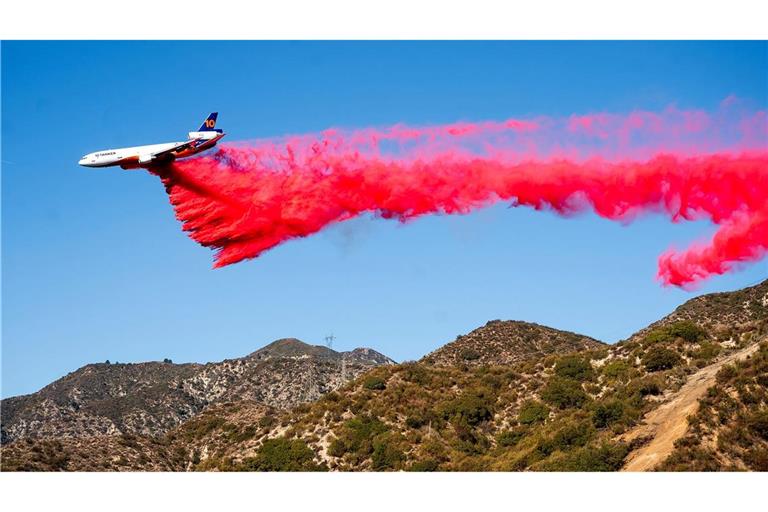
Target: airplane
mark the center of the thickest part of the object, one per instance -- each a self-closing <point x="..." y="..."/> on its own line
<point x="157" y="154"/>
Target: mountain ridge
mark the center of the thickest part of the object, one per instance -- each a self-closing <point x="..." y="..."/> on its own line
<point x="150" y="398"/>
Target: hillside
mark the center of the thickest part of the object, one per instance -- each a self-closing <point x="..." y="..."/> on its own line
<point x="565" y="402"/>
<point x="724" y="314"/>
<point x="178" y="450"/>
<point x="149" y="399"/>
<point x="507" y="343"/>
<point x="556" y="412"/>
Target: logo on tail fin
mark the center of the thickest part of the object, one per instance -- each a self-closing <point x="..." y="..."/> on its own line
<point x="210" y="123"/>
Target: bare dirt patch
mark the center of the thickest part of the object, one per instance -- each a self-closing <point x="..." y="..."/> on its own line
<point x="669" y="422"/>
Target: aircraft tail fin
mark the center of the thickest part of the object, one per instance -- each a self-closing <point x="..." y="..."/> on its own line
<point x="210" y="123"/>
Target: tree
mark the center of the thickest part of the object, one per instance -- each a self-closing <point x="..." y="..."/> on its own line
<point x="107" y="362"/>
<point x="167" y="361"/>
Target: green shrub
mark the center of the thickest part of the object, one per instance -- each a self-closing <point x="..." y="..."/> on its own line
<point x="283" y="454"/>
<point x="650" y="385"/>
<point x="532" y="411"/>
<point x="415" y="421"/>
<point x="564" y="393"/>
<point x="374" y="383"/>
<point x="425" y="465"/>
<point x="606" y="457"/>
<point x="337" y="448"/>
<point x="617" y="370"/>
<point x="385" y="454"/>
<point x="689" y="331"/>
<point x="509" y="438"/>
<point x="416" y="373"/>
<point x="468" y="439"/>
<point x="469" y="408"/>
<point x="607" y="413"/>
<point x="660" y="358"/>
<point x="357" y="436"/>
<point x="417" y="418"/>
<point x="202" y="426"/>
<point x="573" y="434"/>
<point x="573" y="367"/>
<point x="726" y="374"/>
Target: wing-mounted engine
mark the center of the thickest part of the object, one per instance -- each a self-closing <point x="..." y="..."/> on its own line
<point x="145" y="158"/>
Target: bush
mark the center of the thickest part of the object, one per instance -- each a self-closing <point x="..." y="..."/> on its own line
<point x="647" y="386"/>
<point x="425" y="465"/>
<point x="726" y="374"/>
<point x="283" y="455"/>
<point x="758" y="423"/>
<point x="707" y="351"/>
<point x="660" y="358"/>
<point x="573" y="367"/>
<point x="357" y="437"/>
<point x="469" y="354"/>
<point x="416" y="373"/>
<point x="688" y="331"/>
<point x="564" y="393"/>
<point x="607" y="413"/>
<point x="617" y="370"/>
<point x="202" y="426"/>
<point x="386" y="455"/>
<point x="508" y="438"/>
<point x="471" y="409"/>
<point x="532" y="412"/>
<point x="606" y="457"/>
<point x="374" y="383"/>
<point x="573" y="434"/>
<point x="337" y="448"/>
<point x="415" y="421"/>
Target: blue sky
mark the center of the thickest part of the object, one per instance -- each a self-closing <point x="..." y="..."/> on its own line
<point x="96" y="267"/>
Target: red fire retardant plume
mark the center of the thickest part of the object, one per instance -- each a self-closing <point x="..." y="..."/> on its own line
<point x="687" y="165"/>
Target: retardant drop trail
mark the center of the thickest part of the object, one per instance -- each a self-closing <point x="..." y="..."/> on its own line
<point x="687" y="165"/>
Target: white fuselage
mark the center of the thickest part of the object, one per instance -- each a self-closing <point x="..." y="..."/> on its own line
<point x="152" y="154"/>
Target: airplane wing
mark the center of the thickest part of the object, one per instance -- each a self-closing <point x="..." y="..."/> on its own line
<point x="178" y="147"/>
